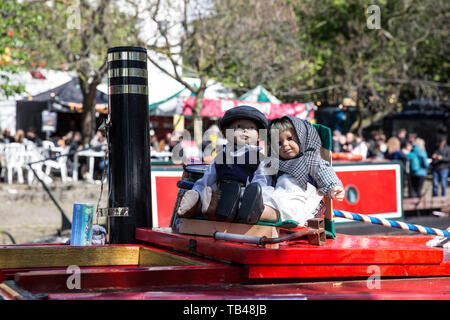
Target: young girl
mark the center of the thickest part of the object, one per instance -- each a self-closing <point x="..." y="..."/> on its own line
<point x="303" y="176"/>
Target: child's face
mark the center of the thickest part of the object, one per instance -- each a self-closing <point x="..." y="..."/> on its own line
<point x="244" y="132"/>
<point x="289" y="144"/>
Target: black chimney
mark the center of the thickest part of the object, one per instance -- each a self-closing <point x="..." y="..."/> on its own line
<point x="129" y="152"/>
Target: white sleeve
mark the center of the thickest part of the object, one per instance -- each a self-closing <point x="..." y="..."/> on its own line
<point x="208" y="179"/>
<point x="260" y="176"/>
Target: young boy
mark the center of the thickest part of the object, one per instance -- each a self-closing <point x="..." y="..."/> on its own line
<point x="303" y="177"/>
<point x="217" y="194"/>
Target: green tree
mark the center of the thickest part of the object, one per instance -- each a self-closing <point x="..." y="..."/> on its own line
<point x="78" y="34"/>
<point x="378" y="68"/>
<point x="240" y="43"/>
<point x="306" y="50"/>
<point x="17" y="33"/>
<point x="249" y="43"/>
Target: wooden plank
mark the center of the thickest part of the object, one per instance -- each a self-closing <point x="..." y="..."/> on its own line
<point x="327" y="155"/>
<point x="208" y="227"/>
<point x="148" y="257"/>
<point x="63" y="256"/>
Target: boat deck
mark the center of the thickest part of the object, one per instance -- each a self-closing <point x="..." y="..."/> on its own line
<point x="168" y="266"/>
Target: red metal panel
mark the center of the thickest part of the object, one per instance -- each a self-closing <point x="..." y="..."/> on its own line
<point x="372" y="188"/>
<point x="376" y="190"/>
<point x="343" y="250"/>
<point x="353" y="270"/>
<point x="135" y="278"/>
<point x="166" y="195"/>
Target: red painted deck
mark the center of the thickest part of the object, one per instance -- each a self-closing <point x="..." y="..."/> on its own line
<point x="349" y="267"/>
<point x="408" y="289"/>
<point x="346" y="256"/>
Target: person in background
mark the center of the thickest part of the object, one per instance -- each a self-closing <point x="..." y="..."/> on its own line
<point x="361" y="147"/>
<point x="335" y="145"/>
<point x="412" y="137"/>
<point x="376" y="151"/>
<point x="418" y="167"/>
<point x="76" y="142"/>
<point x="406" y="148"/>
<point x="401" y="135"/>
<point x="371" y="143"/>
<point x="342" y="143"/>
<point x="167" y="143"/>
<point x="19" y="136"/>
<point x="7" y="138"/>
<point x="382" y="142"/>
<point x="31" y="136"/>
<point x="440" y="164"/>
<point x="350" y="142"/>
<point x="98" y="141"/>
<point x="66" y="139"/>
<point x="393" y="151"/>
<point x="154" y="145"/>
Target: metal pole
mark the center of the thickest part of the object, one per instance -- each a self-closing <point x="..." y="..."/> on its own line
<point x="129" y="150"/>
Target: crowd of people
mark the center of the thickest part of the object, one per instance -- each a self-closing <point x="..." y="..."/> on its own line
<point x="408" y="148"/>
<point x="165" y="144"/>
<point x="70" y="142"/>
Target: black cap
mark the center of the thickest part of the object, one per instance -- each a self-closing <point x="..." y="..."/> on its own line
<point x="243" y="112"/>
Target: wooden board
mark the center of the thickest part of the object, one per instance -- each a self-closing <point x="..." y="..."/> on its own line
<point x="208" y="227"/>
<point x="150" y="257"/>
<point x="63" y="256"/>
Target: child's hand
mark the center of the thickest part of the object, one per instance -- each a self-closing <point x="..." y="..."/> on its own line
<point x="337" y="193"/>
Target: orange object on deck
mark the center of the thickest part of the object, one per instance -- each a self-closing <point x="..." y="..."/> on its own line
<point x="346" y="156"/>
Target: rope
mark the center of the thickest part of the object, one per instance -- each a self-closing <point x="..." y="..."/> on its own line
<point x="390" y="223"/>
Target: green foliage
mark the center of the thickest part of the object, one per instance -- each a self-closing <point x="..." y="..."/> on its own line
<point x="17" y="31"/>
<point x="330" y="53"/>
<point x="78" y="33"/>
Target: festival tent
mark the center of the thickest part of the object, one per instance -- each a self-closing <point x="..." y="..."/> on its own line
<point x="34" y="82"/>
<point x="258" y="98"/>
<point x="174" y="103"/>
<point x="259" y="94"/>
<point x="64" y="99"/>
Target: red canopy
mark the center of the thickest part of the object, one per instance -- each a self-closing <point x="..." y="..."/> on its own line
<point x="217" y="108"/>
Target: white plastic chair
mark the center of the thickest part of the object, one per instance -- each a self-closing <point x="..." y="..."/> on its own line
<point x="15" y="161"/>
<point x="59" y="163"/>
<point x="47" y="147"/>
<point x="34" y="154"/>
<point x="2" y="159"/>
